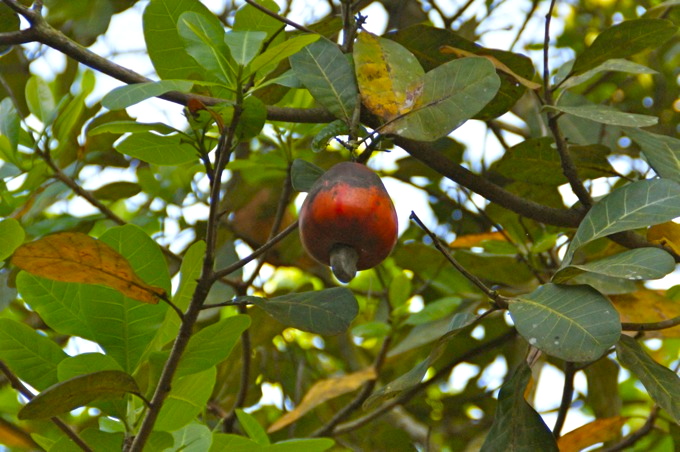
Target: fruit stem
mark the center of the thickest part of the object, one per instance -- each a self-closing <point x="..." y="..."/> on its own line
<point x="344" y="262"/>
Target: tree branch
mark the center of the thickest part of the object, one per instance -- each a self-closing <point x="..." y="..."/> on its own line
<point x="653" y="326"/>
<point x="567" y="394"/>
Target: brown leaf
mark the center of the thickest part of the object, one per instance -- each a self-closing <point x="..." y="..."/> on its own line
<point x="470" y="240"/>
<point x="598" y="431"/>
<point x="647" y="306"/>
<point x="665" y="234"/>
<point x="322" y="391"/>
<point x="497" y="64"/>
<point x="79" y="258"/>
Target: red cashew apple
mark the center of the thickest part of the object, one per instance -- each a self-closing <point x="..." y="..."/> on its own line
<point x="348" y="220"/>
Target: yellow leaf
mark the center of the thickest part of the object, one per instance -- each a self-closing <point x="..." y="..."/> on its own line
<point x="647" y="306"/>
<point x="470" y="240"/>
<point x="78" y="258"/>
<point x="665" y="234"/>
<point x="497" y="64"/>
<point x="13" y="436"/>
<point x="598" y="431"/>
<point x="322" y="391"/>
<point x="389" y="76"/>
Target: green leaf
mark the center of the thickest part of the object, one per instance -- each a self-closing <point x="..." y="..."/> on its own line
<point x="370" y="330"/>
<point x="31" y="356"/>
<point x="120" y="127"/>
<point x="78" y="391"/>
<point x="452" y="93"/>
<point x="252" y="428"/>
<point x="250" y="18"/>
<point x="117" y="190"/>
<point x="537" y="162"/>
<point x="244" y="45"/>
<point x="517" y="426"/>
<point x="331" y="130"/>
<point x="85" y="363"/>
<point x="574" y="323"/>
<point x="158" y="149"/>
<point x="123" y="327"/>
<point x="325" y="312"/>
<point x="203" y="35"/>
<point x="639" y="204"/>
<point x="328" y="76"/>
<point x="10" y="122"/>
<point x="11" y="236"/>
<point x="302" y="445"/>
<point x="640" y="263"/>
<point x="212" y="345"/>
<point x="252" y="119"/>
<point x="434" y="310"/>
<point x="662" y="384"/>
<point x="271" y="57"/>
<point x="607" y="115"/>
<point x="623" y="40"/>
<point x="233" y="443"/>
<point x="124" y="96"/>
<point x="163" y="42"/>
<point x="614" y="65"/>
<point x="304" y="174"/>
<point x="194" y="437"/>
<point x="661" y="151"/>
<point x="40" y="99"/>
<point x="187" y="398"/>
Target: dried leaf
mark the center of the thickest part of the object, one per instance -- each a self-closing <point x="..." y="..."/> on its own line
<point x="665" y="234"/>
<point x="322" y="391"/>
<point x="647" y="306"/>
<point x="598" y="431"/>
<point x="497" y="64"/>
<point x="78" y="258"/>
<point x="470" y="240"/>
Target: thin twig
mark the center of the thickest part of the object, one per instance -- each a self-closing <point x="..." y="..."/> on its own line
<point x="527" y="18"/>
<point x="285" y="20"/>
<point x="653" y="326"/>
<point x="23" y="390"/>
<point x="567" y="394"/>
<point x="409" y="394"/>
<point x="498" y="299"/>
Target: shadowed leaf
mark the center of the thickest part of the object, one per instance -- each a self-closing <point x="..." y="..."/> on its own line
<point x="326" y="312"/>
<point x="662" y="384"/>
<point x="79" y="258"/>
<point x="78" y="391"/>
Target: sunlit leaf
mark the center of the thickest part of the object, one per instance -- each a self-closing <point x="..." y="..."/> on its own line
<point x="78" y="391"/>
<point x="252" y="428"/>
<point x="120" y="127"/>
<point x="326" y="312"/>
<point x="203" y="35"/>
<point x="662" y="384"/>
<point x="389" y="76"/>
<point x="451" y="94"/>
<point x="322" y="391"/>
<point x="434" y="310"/>
<point x="11" y="237"/>
<point x="188" y="397"/>
<point x="613" y="65"/>
<point x="244" y="45"/>
<point x="327" y="74"/>
<point x="638" y="204"/>
<point x="127" y="95"/>
<point x="211" y="345"/>
<point x="597" y="431"/>
<point x="640" y="263"/>
<point x="79" y="258"/>
<point x="574" y="323"/>
<point x="623" y="40"/>
<point x="40" y="99"/>
<point x="472" y="240"/>
<point x="158" y="149"/>
<point x="32" y="357"/>
<point x="194" y="437"/>
<point x="271" y="57"/>
<point x="517" y="426"/>
<point x="648" y="306"/>
<point x="607" y="115"/>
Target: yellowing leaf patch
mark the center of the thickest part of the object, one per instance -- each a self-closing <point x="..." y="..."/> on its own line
<point x="78" y="258"/>
<point x="471" y="240"/>
<point x="648" y="306"/>
<point x="322" y="391"/>
<point x="598" y="431"/>
<point x="665" y="234"/>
